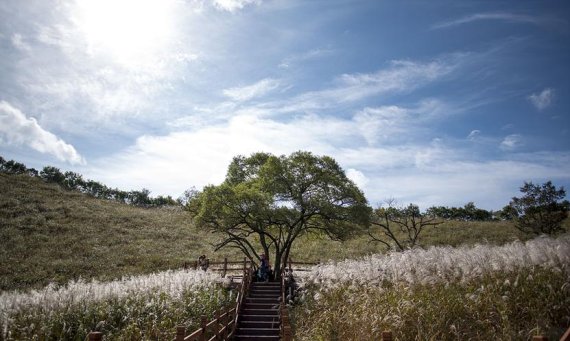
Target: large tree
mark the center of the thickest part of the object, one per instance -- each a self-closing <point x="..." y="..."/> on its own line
<point x="266" y="202"/>
<point x="541" y="209"/>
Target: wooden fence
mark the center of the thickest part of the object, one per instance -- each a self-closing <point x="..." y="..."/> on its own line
<point x="224" y="267"/>
<point x="223" y="326"/>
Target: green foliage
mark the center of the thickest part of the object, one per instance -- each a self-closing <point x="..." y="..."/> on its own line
<point x="268" y="201"/>
<point x="541" y="209"/>
<point x="13" y="167"/>
<point x="469" y="212"/>
<point x="74" y="181"/>
<point x="506" y="213"/>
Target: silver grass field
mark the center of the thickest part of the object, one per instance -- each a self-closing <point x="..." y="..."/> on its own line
<point x="508" y="292"/>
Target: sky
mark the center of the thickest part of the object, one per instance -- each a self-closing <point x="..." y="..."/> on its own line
<point x="438" y="102"/>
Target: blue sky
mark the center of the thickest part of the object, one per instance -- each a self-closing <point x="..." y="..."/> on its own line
<point x="430" y="102"/>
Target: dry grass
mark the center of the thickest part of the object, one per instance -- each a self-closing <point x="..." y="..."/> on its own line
<point x="484" y="292"/>
<point x="52" y="235"/>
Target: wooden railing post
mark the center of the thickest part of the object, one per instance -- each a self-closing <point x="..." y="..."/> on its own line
<point x="203" y="323"/>
<point x="387" y="335"/>
<point x="224" y="322"/>
<point x="217" y="324"/>
<point x="225" y="267"/>
<point x="287" y="333"/>
<point x="244" y="263"/>
<point x="180" y="333"/>
<point x="95" y="336"/>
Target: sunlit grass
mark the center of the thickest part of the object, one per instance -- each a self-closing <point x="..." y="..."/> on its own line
<point x="52" y="235"/>
<point x="134" y="308"/>
<point x="484" y="292"/>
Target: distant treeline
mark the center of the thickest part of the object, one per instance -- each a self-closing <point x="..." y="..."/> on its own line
<point x="469" y="212"/>
<point x="75" y="181"/>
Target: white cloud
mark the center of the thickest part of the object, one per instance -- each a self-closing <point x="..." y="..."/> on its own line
<point x="381" y="123"/>
<point x="234" y="5"/>
<point x="424" y="173"/>
<point x="398" y="76"/>
<point x="542" y="100"/>
<point x="500" y="16"/>
<point x="85" y="73"/>
<point x="391" y="123"/>
<point x="17" y="129"/>
<point x="309" y="55"/>
<point x="357" y="177"/>
<point x="19" y="43"/>
<point x="248" y="92"/>
<point x="511" y="142"/>
<point x="474" y="134"/>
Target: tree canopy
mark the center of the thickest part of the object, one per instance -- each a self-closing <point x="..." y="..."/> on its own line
<point x="266" y="202"/>
<point x="541" y="209"/>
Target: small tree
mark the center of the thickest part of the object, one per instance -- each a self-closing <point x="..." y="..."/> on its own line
<point x="266" y="202"/>
<point x="52" y="174"/>
<point x="400" y="225"/>
<point x="541" y="209"/>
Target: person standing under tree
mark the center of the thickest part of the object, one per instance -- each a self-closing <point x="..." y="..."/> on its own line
<point x="263" y="272"/>
<point x="203" y="262"/>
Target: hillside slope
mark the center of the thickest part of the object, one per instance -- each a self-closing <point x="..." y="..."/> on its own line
<point x="51" y="235"/>
<point x="48" y="234"/>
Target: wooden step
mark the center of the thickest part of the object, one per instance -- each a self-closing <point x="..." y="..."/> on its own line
<point x="259" y="324"/>
<point x="254" y="317"/>
<point x="258" y="331"/>
<point x="259" y="316"/>
<point x="263" y="295"/>
<point x="266" y="284"/>
<point x="264" y="292"/>
<point x="256" y="305"/>
<point x="263" y="299"/>
<point x="257" y="338"/>
<point x="271" y="312"/>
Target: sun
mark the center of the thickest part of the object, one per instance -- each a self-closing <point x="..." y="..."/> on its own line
<point x="129" y="31"/>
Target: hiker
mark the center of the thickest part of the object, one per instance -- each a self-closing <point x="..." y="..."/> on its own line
<point x="264" y="269"/>
<point x="203" y="262"/>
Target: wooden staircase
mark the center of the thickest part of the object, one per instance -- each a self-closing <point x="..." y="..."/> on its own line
<point x="259" y="315"/>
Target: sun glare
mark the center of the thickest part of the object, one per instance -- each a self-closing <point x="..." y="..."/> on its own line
<point x="129" y="31"/>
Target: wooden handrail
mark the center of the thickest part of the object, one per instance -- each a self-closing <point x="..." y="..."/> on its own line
<point x="566" y="336"/>
<point x="221" y="266"/>
<point x="223" y="325"/>
<point x="246" y="282"/>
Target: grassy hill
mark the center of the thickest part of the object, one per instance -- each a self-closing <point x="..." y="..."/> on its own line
<point x="50" y="234"/>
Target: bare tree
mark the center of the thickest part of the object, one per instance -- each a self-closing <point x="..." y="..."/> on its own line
<point x="399" y="227"/>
